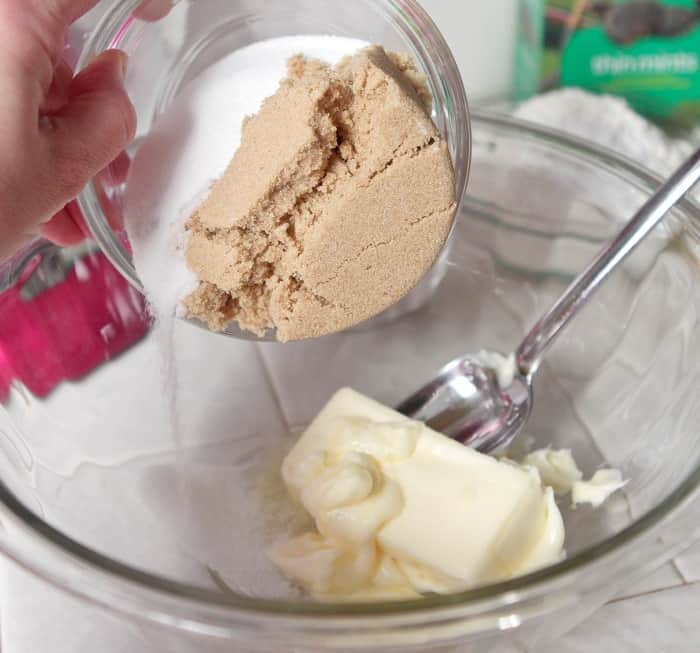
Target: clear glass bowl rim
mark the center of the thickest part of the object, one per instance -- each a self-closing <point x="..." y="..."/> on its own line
<point x="91" y="576"/>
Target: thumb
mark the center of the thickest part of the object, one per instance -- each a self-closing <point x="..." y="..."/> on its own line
<point x="93" y="127"/>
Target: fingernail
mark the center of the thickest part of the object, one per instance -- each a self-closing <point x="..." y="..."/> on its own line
<point x="115" y="59"/>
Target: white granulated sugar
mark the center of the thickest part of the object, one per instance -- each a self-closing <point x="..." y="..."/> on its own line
<point x="608" y="121"/>
<point x="191" y="145"/>
<point x="186" y="151"/>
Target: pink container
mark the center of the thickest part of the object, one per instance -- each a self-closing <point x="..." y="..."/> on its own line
<point x="69" y="328"/>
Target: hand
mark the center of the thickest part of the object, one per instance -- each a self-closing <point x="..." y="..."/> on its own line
<point x="57" y="130"/>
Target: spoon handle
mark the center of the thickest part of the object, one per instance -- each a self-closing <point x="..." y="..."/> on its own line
<point x="531" y="351"/>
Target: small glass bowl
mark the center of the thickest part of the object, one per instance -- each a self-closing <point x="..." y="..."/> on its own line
<point x="167" y="54"/>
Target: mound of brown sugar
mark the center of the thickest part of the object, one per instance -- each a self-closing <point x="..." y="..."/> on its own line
<point x="339" y="199"/>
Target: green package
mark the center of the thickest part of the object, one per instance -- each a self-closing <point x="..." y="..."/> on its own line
<point x="647" y="51"/>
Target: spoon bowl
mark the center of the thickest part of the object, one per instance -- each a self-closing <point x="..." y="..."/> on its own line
<point x="466" y="402"/>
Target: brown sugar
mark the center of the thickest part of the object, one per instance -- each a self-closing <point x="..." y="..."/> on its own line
<point x="339" y="199"/>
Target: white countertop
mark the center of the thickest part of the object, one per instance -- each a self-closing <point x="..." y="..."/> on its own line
<point x="659" y="615"/>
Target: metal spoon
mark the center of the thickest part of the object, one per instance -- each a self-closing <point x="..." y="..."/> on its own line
<point x="466" y="402"/>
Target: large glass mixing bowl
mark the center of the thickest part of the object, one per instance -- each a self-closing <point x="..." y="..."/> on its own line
<point x="168" y="549"/>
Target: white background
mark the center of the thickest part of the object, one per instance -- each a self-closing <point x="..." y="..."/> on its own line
<point x="481" y="34"/>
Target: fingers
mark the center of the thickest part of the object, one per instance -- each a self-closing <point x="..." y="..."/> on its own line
<point x="13" y="236"/>
<point x="67" y="227"/>
<point x="68" y="11"/>
<point x="57" y="97"/>
<point x="119" y="169"/>
<point x="32" y="34"/>
<point x="84" y="122"/>
<point x="93" y="128"/>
